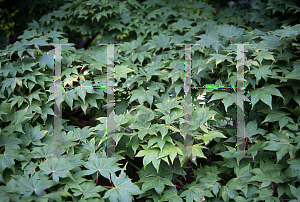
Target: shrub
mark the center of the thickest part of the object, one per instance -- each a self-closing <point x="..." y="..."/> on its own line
<point x="150" y="102"/>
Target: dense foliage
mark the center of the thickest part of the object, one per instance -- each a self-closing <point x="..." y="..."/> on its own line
<point x="149" y="100"/>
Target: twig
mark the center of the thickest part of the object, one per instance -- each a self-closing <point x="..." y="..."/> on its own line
<point x="2" y="148"/>
<point x="97" y="179"/>
<point x="273" y="189"/>
<point x="179" y="182"/>
<point x="133" y="165"/>
<point x="109" y="187"/>
<point x="50" y="176"/>
<point x="125" y="129"/>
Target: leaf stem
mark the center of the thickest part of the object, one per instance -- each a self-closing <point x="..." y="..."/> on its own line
<point x="97" y="179"/>
<point x="2" y="148"/>
<point x="125" y="129"/>
<point x="179" y="182"/>
<point x="273" y="189"/>
<point x="109" y="187"/>
<point x="133" y="165"/>
<point x="50" y="176"/>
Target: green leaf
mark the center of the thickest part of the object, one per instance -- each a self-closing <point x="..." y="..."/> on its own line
<point x="10" y="142"/>
<point x="27" y="186"/>
<point x="228" y="98"/>
<point x="264" y="71"/>
<point x="251" y="129"/>
<point x="7" y="159"/>
<point x="266" y="177"/>
<point x="150" y="155"/>
<point x="171" y="151"/>
<point x="47" y="59"/>
<point x="230" y="31"/>
<point x="295" y="192"/>
<point x="281" y="143"/>
<point x="123" y="188"/>
<point x="142" y="95"/>
<point x="87" y="189"/>
<point x="279" y="116"/>
<point x="263" y="55"/>
<point x="59" y="168"/>
<point x="219" y="58"/>
<point x="195" y="192"/>
<point x="155" y="181"/>
<point x="32" y="135"/>
<point x="207" y="41"/>
<point x="122" y="71"/>
<point x="181" y="24"/>
<point x="264" y="94"/>
<point x="167" y="105"/>
<point x="170" y="194"/>
<point x="101" y="164"/>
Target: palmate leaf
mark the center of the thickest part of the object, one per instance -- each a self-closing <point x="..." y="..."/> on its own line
<point x="264" y="94"/>
<point x="195" y="192"/>
<point x="242" y="176"/>
<point x="289" y="31"/>
<point x="167" y="105"/>
<point x="87" y="189"/>
<point x="155" y="181"/>
<point x="123" y="188"/>
<point x="144" y="129"/>
<point x="251" y="129"/>
<point x="150" y="155"/>
<point x="208" y="41"/>
<point x="219" y="58"/>
<point x="280" y="116"/>
<point x="47" y="59"/>
<point x="8" y="159"/>
<point x="294" y="169"/>
<point x="59" y="168"/>
<point x="26" y="186"/>
<point x="261" y="72"/>
<point x="181" y="24"/>
<point x="101" y="164"/>
<point x="10" y="141"/>
<point x="228" y="98"/>
<point x="230" y="31"/>
<point x="230" y="189"/>
<point x="281" y="143"/>
<point x="263" y="55"/>
<point x="266" y="173"/>
<point x="170" y="194"/>
<point x="158" y="42"/>
<point x="143" y="95"/>
<point x="172" y="151"/>
<point x="122" y="71"/>
<point x="33" y="135"/>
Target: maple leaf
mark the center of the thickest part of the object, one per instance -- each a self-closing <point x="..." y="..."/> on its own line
<point x="155" y="181"/>
<point x="123" y="188"/>
<point x="143" y="95"/>
<point x="57" y="168"/>
<point x="195" y="192"/>
<point x="101" y="164"/>
<point x="27" y="186"/>
<point x="264" y="94"/>
<point x="86" y="189"/>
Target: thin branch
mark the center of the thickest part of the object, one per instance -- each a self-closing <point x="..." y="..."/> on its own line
<point x="2" y="148"/>
<point x="179" y="182"/>
<point x="273" y="189"/>
<point x="109" y="187"/>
